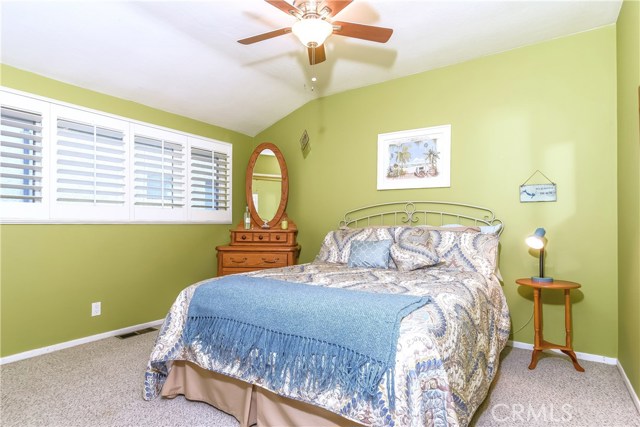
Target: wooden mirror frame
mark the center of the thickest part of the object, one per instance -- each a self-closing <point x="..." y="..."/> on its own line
<point x="284" y="187"/>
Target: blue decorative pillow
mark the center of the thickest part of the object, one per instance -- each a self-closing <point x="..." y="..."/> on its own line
<point x="369" y="253"/>
<point x="336" y="246"/>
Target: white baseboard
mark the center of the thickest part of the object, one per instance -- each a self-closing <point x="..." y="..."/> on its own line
<point x="632" y="392"/>
<point x="582" y="356"/>
<point x="79" y="341"/>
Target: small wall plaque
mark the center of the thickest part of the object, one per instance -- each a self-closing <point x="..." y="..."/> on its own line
<point x="304" y="140"/>
<point x="538" y="192"/>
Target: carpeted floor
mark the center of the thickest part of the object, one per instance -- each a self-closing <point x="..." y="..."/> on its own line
<point x="100" y="384"/>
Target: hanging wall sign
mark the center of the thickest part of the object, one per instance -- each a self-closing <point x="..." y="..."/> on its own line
<point x="538" y="192"/>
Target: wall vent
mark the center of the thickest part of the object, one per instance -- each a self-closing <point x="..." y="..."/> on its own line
<point x="135" y="333"/>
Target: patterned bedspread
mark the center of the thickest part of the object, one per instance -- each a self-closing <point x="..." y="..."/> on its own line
<point x="447" y="355"/>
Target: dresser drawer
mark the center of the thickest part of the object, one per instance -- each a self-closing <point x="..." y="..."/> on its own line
<point x="278" y="238"/>
<point x="240" y="237"/>
<point x="253" y="259"/>
<point x="260" y="237"/>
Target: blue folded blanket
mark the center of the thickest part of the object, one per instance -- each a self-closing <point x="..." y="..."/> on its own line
<point x="306" y="336"/>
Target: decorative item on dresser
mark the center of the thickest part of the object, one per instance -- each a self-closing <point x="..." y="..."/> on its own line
<point x="270" y="240"/>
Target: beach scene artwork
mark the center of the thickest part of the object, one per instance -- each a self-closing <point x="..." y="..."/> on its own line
<point x="413" y="159"/>
<point x="417" y="158"/>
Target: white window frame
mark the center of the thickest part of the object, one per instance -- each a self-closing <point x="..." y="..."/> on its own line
<point x="51" y="211"/>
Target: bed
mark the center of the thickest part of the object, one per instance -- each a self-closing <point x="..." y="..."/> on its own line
<point x="447" y="350"/>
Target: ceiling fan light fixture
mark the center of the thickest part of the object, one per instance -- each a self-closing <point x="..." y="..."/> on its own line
<point x="312" y="32"/>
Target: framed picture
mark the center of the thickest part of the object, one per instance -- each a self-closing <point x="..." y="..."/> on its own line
<point x="418" y="158"/>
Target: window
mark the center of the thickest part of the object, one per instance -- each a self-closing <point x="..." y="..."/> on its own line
<point x="89" y="163"/>
<point x="210" y="183"/>
<point x="22" y="158"/>
<point x="61" y="163"/>
<point x="22" y="152"/>
<point x="159" y="174"/>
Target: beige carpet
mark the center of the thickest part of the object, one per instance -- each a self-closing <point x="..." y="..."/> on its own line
<point x="100" y="384"/>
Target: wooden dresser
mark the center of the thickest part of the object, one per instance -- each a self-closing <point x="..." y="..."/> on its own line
<point x="265" y="244"/>
<point x="257" y="249"/>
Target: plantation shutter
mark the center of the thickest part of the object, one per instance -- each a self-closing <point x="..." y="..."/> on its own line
<point x="91" y="163"/>
<point x="160" y="170"/>
<point x="202" y="178"/>
<point x="21" y="150"/>
<point x="159" y="173"/>
<point x="90" y="166"/>
<point x="210" y="182"/>
<point x="222" y="182"/>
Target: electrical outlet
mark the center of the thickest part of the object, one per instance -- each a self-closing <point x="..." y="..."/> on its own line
<point x="95" y="309"/>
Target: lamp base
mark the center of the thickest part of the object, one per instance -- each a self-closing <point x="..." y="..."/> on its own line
<point x="542" y="279"/>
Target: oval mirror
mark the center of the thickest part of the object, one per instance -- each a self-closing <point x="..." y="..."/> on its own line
<point x="267" y="185"/>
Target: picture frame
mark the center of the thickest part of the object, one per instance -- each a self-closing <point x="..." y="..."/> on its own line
<point x="416" y="158"/>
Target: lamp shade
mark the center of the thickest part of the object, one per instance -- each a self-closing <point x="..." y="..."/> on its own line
<point x="536" y="240"/>
<point x="312" y="32"/>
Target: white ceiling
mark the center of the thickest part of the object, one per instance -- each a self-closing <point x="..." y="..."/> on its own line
<point x="182" y="56"/>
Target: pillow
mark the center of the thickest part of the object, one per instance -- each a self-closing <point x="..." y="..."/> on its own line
<point x="412" y="248"/>
<point x="487" y="229"/>
<point x="412" y="235"/>
<point x="371" y="254"/>
<point x="490" y="229"/>
<point x="467" y="251"/>
<point x="336" y="245"/>
<point x="413" y="257"/>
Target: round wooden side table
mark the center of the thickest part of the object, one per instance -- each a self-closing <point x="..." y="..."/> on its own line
<point x="539" y="343"/>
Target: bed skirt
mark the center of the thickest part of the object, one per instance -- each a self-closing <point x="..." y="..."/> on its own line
<point x="249" y="404"/>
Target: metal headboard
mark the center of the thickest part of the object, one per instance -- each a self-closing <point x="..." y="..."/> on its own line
<point x="420" y="213"/>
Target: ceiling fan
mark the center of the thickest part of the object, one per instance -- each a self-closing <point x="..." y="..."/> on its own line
<point x="313" y="26"/>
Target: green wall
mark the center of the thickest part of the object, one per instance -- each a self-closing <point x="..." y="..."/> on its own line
<point x="50" y="274"/>
<point x="628" y="44"/>
<point x="550" y="106"/>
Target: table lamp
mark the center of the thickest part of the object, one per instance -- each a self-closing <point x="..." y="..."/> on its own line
<point x="537" y="241"/>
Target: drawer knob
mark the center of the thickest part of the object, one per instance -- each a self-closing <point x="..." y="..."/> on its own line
<point x="238" y="261"/>
<point x="277" y="237"/>
<point x="260" y="237"/>
<point x="244" y="237"/>
<point x="270" y="261"/>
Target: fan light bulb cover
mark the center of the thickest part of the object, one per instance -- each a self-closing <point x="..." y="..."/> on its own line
<point x="312" y="32"/>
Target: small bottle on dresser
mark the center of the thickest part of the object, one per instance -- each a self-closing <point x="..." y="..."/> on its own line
<point x="247" y="219"/>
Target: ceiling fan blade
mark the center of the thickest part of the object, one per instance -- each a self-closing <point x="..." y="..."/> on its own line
<point x="364" y="32"/>
<point x="316" y="54"/>
<point x="265" y="36"/>
<point x="287" y="8"/>
<point x="335" y="6"/>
